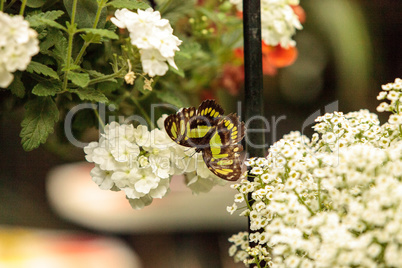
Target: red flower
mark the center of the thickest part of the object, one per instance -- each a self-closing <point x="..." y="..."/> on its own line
<point x="207" y="95"/>
<point x="232" y="78"/>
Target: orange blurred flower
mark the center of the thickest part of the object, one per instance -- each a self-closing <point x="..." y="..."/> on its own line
<point x="272" y="57"/>
<point x="299" y="11"/>
<point x="277" y="57"/>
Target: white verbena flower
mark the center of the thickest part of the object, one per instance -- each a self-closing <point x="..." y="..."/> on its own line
<point x="153" y="36"/>
<point x="278" y="21"/>
<point x="141" y="163"/>
<point x="18" y="43"/>
<point x="133" y="160"/>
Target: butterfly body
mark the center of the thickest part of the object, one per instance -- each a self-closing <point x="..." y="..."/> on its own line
<point x="209" y="132"/>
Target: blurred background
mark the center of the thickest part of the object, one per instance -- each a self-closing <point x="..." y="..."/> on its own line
<point x="347" y="50"/>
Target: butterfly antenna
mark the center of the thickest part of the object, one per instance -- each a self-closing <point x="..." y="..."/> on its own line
<point x="192" y="153"/>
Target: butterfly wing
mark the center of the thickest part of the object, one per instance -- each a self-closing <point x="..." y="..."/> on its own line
<point x="204" y="123"/>
<point x="192" y="128"/>
<point x="222" y="155"/>
<point x="226" y="164"/>
<point x="209" y="109"/>
<point x="231" y="128"/>
<point x="177" y="125"/>
<point x="214" y="135"/>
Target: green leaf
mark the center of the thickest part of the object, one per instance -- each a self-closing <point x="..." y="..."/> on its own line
<point x="187" y="49"/>
<point x="34" y="20"/>
<point x="109" y="86"/>
<point x="53" y="36"/>
<point x="42" y="33"/>
<point x="232" y="39"/>
<point x="79" y="79"/>
<point x="174" y="10"/>
<point x="72" y="67"/>
<point x="48" y="18"/>
<point x="101" y="32"/>
<point x="169" y="97"/>
<point x="86" y="13"/>
<point x="35" y="3"/>
<point x="189" y="55"/>
<point x="53" y="14"/>
<point x="95" y="74"/>
<point x="90" y="94"/>
<point x="46" y="89"/>
<point x="52" y="23"/>
<point x="39" y="68"/>
<point x="178" y="72"/>
<point x="60" y="49"/>
<point x="40" y="115"/>
<point x="17" y="87"/>
<point x="92" y="38"/>
<point x="129" y="4"/>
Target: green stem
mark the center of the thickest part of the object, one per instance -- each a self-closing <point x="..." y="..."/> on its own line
<point x="151" y="124"/>
<point x="71" y="32"/>
<point x="319" y="194"/>
<point x="247" y="202"/>
<point x="94" y="26"/>
<point x="24" y="3"/>
<point x="81" y="53"/>
<point x="400" y="131"/>
<point x="397" y="106"/>
<point x="2" y="5"/>
<point x="165" y="6"/>
<point x="75" y="2"/>
<point x="257" y="261"/>
<point x="302" y="201"/>
<point x="10" y="4"/>
<point x="98" y="13"/>
<point x="99" y="118"/>
<point x="69" y="52"/>
<point x="105" y="78"/>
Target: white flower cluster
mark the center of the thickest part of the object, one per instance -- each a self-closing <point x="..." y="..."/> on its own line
<point x="393" y="93"/>
<point x="334" y="201"/>
<point x="153" y="37"/>
<point x="18" y="43"/>
<point x="278" y="21"/>
<point x="141" y="162"/>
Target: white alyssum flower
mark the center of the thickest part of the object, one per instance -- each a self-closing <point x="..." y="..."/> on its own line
<point x="18" y="43"/>
<point x="393" y="93"/>
<point x="328" y="205"/>
<point x="153" y="36"/>
<point x="278" y="21"/>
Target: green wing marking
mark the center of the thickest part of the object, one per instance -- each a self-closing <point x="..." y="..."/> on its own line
<point x="198" y="131"/>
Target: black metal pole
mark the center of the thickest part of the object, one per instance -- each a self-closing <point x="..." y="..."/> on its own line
<point x="253" y="84"/>
<point x="253" y="77"/>
<point x="152" y="3"/>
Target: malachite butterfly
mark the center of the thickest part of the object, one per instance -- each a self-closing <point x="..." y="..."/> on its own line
<point x="208" y="131"/>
